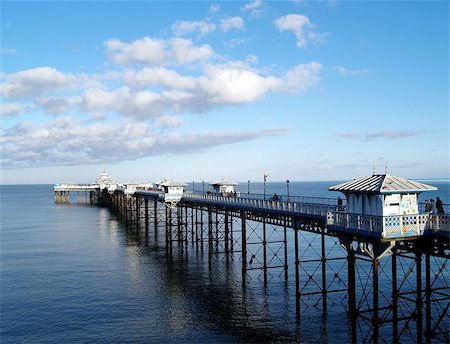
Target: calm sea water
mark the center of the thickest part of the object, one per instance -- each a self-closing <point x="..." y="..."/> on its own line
<point x="76" y="273"/>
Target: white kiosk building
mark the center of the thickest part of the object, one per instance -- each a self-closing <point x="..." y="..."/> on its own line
<point x="384" y="203"/>
<point x="382" y="195"/>
<point x="173" y="190"/>
<point x="223" y="187"/>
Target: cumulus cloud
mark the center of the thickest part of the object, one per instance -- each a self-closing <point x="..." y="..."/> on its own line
<point x="254" y="7"/>
<point x="10" y="109"/>
<point x="302" y="28"/>
<point x="67" y="142"/>
<point x="168" y="121"/>
<point x="34" y="82"/>
<point x="225" y="85"/>
<point x="219" y="85"/>
<point x="300" y="78"/>
<point x="159" y="76"/>
<point x="232" y="23"/>
<point x="351" y="72"/>
<point x="201" y="27"/>
<point x="183" y="51"/>
<point x="56" y="105"/>
<point x="146" y="50"/>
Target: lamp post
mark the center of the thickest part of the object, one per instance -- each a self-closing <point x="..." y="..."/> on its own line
<point x="203" y="186"/>
<point x="287" y="185"/>
<point x="265" y="179"/>
<point x="248" y="187"/>
<point x="193" y="187"/>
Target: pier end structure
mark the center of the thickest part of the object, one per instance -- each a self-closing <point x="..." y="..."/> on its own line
<point x="383" y="203"/>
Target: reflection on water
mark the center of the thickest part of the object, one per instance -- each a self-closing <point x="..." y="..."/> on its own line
<point x="77" y="274"/>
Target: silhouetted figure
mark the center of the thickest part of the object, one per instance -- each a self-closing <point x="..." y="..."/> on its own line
<point x="427" y="206"/>
<point x="339" y="204"/>
<point x="433" y="206"/>
<point x="275" y="197"/>
<point x="439" y="206"/>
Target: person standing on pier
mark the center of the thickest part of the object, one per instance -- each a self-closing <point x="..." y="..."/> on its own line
<point x="439" y="206"/>
<point x="433" y="206"/>
<point x="427" y="207"/>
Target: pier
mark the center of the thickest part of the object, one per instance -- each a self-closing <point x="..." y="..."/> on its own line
<point x="344" y="250"/>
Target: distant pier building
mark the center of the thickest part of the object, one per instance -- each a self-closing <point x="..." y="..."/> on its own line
<point x="223" y="187"/>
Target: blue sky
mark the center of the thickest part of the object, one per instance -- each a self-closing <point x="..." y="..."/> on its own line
<point x="202" y="90"/>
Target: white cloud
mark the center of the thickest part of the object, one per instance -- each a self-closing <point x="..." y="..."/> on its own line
<point x="300" y="78"/>
<point x="139" y="104"/>
<point x="35" y="81"/>
<point x="160" y="77"/>
<point x="351" y="72"/>
<point x="168" y="121"/>
<point x="302" y="28"/>
<point x="233" y="83"/>
<point x="252" y="5"/>
<point x="232" y="43"/>
<point x="56" y="105"/>
<point x="146" y="50"/>
<point x="225" y="85"/>
<point x="214" y="8"/>
<point x="183" y="51"/>
<point x="386" y="134"/>
<point x="202" y="27"/>
<point x="10" y="109"/>
<point x="67" y="142"/>
<point x="232" y="23"/>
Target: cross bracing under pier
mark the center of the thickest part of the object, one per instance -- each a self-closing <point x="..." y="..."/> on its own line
<point x="394" y="288"/>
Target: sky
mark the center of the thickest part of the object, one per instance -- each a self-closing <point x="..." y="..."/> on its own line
<point x="199" y="90"/>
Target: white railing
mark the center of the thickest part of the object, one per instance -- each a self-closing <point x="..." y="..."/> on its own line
<point x="295" y="207"/>
<point x="75" y="187"/>
<point x="393" y="226"/>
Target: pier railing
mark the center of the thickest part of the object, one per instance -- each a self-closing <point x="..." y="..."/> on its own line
<point x="296" y="204"/>
<point x="393" y="226"/>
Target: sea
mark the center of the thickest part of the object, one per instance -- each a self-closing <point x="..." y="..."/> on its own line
<point x="75" y="273"/>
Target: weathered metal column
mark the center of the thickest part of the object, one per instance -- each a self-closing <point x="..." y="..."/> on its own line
<point x="419" y="304"/>
<point x="146" y="214"/>
<point x="351" y="287"/>
<point x="427" y="297"/>
<point x="126" y="208"/>
<point x="179" y="220"/>
<point x="297" y="266"/>
<point x="264" y="250"/>
<point x="231" y="234"/>
<point x="375" y="320"/>
<point x="244" y="246"/>
<point x="138" y="209"/>
<point x="192" y="222"/>
<point x="201" y="228"/>
<point x="227" y="231"/>
<point x="155" y="217"/>
<point x="324" y="271"/>
<point x="394" y="297"/>
<point x="210" y="230"/>
<point x="186" y="227"/>
<point x="285" y="252"/>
